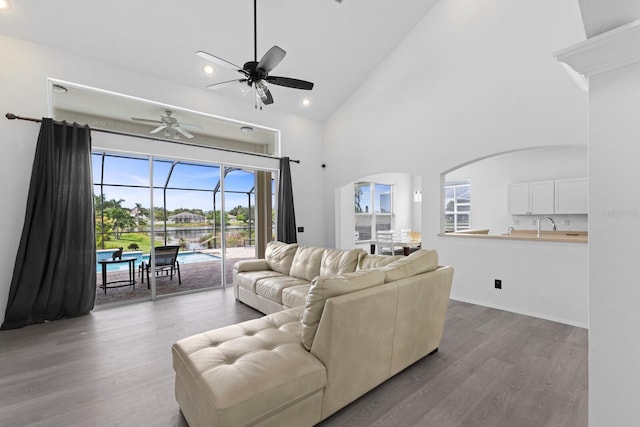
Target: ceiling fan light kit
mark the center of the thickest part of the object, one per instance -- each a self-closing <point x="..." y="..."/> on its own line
<point x="256" y="73"/>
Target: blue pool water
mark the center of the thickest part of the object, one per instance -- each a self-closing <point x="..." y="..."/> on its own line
<point x="183" y="258"/>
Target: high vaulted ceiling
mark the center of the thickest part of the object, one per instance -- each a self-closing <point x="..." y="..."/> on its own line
<point x="335" y="45"/>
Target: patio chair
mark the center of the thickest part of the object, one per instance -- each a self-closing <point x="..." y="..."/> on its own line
<point x="166" y="262"/>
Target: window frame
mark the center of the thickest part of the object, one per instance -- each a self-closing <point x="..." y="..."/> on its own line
<point x="456" y="212"/>
<point x="371" y="210"/>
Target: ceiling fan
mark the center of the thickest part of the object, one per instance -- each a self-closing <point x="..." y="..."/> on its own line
<point x="256" y="73"/>
<point x="171" y="126"/>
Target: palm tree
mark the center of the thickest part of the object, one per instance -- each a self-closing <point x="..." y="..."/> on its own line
<point x="121" y="219"/>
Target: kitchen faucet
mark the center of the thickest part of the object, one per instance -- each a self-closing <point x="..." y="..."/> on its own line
<point x="545" y="217"/>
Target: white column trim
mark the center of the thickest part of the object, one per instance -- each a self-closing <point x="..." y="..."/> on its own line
<point x="605" y="52"/>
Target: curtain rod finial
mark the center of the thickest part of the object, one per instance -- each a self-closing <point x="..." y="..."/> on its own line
<point x="11" y="116"/>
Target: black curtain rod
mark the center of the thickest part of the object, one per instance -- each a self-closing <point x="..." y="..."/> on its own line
<point x="12" y="116"/>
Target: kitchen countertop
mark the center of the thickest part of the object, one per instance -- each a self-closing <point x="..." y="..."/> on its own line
<point x="567" y="236"/>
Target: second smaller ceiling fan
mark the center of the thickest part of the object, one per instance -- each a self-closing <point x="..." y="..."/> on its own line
<point x="170" y="125"/>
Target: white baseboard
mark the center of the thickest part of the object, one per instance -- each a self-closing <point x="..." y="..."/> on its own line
<point x="524" y="312"/>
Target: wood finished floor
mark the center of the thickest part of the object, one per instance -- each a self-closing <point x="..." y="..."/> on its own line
<point x="113" y="368"/>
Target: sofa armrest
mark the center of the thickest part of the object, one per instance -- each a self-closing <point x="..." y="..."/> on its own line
<point x="251" y="265"/>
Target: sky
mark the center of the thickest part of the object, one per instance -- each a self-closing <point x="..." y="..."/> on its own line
<point x="135" y="171"/>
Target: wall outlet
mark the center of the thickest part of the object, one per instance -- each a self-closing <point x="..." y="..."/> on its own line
<point x="300" y="229"/>
<point x="498" y="283"/>
<point x="567" y="222"/>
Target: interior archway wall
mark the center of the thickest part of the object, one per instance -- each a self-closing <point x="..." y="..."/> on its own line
<point x="490" y="176"/>
<point x="407" y="211"/>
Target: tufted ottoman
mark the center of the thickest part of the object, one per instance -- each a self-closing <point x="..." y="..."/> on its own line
<point x="252" y="373"/>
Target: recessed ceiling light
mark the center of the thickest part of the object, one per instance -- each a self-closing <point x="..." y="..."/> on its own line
<point x="58" y="88"/>
<point x="246" y="129"/>
<point x="306" y="102"/>
<point x="5" y="5"/>
<point x="208" y="69"/>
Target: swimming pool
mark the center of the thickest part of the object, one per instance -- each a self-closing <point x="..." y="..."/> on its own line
<point x="183" y="258"/>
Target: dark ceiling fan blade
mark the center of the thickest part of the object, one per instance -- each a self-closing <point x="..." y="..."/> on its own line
<point x="267" y="98"/>
<point x="137" y="119"/>
<point x="219" y="61"/>
<point x="226" y="83"/>
<point x="289" y="82"/>
<point x="271" y="59"/>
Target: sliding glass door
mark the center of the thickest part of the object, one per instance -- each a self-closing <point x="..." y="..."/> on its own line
<point x="146" y="207"/>
<point x="239" y="220"/>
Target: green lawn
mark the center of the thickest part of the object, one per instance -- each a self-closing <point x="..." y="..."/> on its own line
<point x="141" y="239"/>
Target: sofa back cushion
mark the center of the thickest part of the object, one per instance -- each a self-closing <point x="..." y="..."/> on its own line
<point x="306" y="262"/>
<point x="417" y="263"/>
<point x="339" y="261"/>
<point x="279" y="256"/>
<point x="325" y="287"/>
<point x="367" y="261"/>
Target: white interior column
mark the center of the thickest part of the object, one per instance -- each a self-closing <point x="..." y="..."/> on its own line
<point x="611" y="61"/>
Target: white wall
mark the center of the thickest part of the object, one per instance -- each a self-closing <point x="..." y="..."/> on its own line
<point x="490" y="179"/>
<point x="23" y="91"/>
<point x="473" y="78"/>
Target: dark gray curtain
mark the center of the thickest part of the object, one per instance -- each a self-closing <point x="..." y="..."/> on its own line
<point x="55" y="270"/>
<point x="286" y="231"/>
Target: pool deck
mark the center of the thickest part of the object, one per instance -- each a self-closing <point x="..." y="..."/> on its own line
<point x="195" y="276"/>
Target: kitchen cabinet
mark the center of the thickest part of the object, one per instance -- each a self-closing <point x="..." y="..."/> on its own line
<point x="532" y="198"/>
<point x="572" y="196"/>
<point x="519" y="198"/>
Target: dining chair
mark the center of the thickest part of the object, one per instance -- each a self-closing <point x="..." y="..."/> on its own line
<point x="385" y="243"/>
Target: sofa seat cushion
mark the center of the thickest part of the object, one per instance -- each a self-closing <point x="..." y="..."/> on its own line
<point x="339" y="261"/>
<point x="295" y="296"/>
<point x="250" y="369"/>
<point x="306" y="262"/>
<point x="271" y="288"/>
<point x="367" y="261"/>
<point x="247" y="279"/>
<point x="418" y="262"/>
<point x="325" y="287"/>
<point x="280" y="255"/>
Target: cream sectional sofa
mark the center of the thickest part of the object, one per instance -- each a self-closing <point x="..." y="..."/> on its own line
<point x="282" y="279"/>
<point x="298" y="366"/>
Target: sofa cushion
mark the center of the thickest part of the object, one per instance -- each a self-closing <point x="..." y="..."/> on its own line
<point x="417" y="263"/>
<point x="279" y="256"/>
<point x="367" y="261"/>
<point x="271" y="288"/>
<point x="306" y="262"/>
<point x="248" y="279"/>
<point x="339" y="261"/>
<point x="295" y="296"/>
<point x="325" y="287"/>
